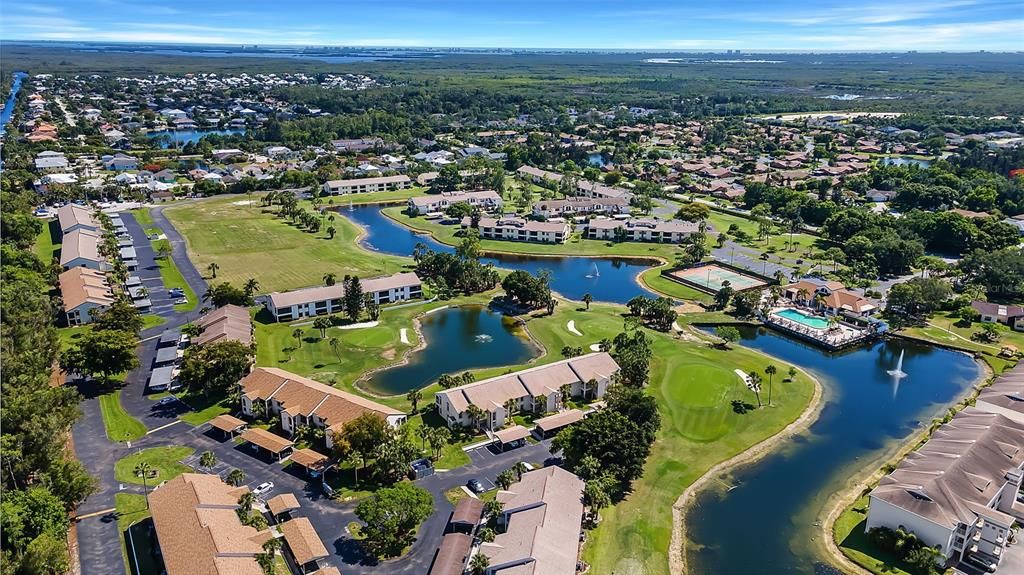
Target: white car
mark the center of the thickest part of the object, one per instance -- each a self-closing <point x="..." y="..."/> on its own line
<point x="262" y="488"/>
<point x="167" y="400"/>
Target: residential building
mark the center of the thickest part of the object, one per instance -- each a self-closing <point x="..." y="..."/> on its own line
<point x="539" y="176"/>
<point x="485" y="200"/>
<point x="577" y="206"/>
<point x="300" y="401"/>
<point x="357" y="144"/>
<point x="1005" y="395"/>
<point x="642" y="230"/>
<point x="84" y="291"/>
<point x="198" y="530"/>
<point x="595" y="190"/>
<point x="230" y="322"/>
<point x="50" y="161"/>
<point x="958" y="492"/>
<point x="537" y="389"/>
<point x="834" y="298"/>
<point x="539" y="526"/>
<point x="1008" y="315"/>
<point x="81" y="247"/>
<point x="71" y="217"/>
<point x="120" y="162"/>
<point x="365" y="185"/>
<point x="320" y="300"/>
<point x="517" y="229"/>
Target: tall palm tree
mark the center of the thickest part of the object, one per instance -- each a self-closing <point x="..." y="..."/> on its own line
<point x="478" y="564"/>
<point x="510" y="407"/>
<point x="297" y="334"/>
<point x="520" y="469"/>
<point x="540" y="404"/>
<point x="414" y="397"/>
<point x="142" y="469"/>
<point x="475" y="414"/>
<point x="251" y="286"/>
<point x="587" y="298"/>
<point x="802" y="294"/>
<point x="755" y="386"/>
<point x="329" y="278"/>
<point x="213" y="267"/>
<point x="357" y="460"/>
<point x="771" y="370"/>
<point x="423" y="432"/>
<point x="335" y="344"/>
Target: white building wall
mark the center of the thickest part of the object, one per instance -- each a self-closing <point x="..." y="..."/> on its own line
<point x="884" y="514"/>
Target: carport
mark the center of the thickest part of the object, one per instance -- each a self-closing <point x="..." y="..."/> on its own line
<point x="466" y="516"/>
<point x="161" y="378"/>
<point x="263" y="439"/>
<point x="228" y="424"/>
<point x="552" y="423"/>
<point x="514" y="436"/>
<point x="170" y="337"/>
<point x="451" y="557"/>
<point x="281" y="504"/>
<point x="304" y="544"/>
<point x="165" y="356"/>
<point x="313" y="461"/>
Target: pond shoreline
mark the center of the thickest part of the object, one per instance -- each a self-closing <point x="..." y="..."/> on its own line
<point x="684" y="503"/>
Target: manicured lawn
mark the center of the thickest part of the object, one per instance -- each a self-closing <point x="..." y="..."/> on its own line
<point x="142" y="216"/>
<point x="944" y="330"/>
<point x="204" y="408"/>
<point x="131" y="509"/>
<point x="47" y="245"/>
<point x="163" y="461"/>
<point x="854" y="543"/>
<point x="653" y="279"/>
<point x="119" y="425"/>
<point x="152" y="320"/>
<point x="172" y="278"/>
<point x="253" y="242"/>
<point x="372" y="198"/>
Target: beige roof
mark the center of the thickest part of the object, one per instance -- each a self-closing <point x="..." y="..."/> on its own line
<point x="482" y="196"/>
<point x="468" y="510"/>
<point x="227" y="423"/>
<point x="80" y="243"/>
<point x="545" y="512"/>
<point x="303" y="540"/>
<point x="198" y="530"/>
<point x="83" y="285"/>
<point x="283" y="502"/>
<point x="269" y="441"/>
<point x="302" y="396"/>
<point x="514" y="433"/>
<point x="493" y="392"/>
<point x="952" y="478"/>
<point x="520" y="224"/>
<point x="368" y="181"/>
<point x="558" y="420"/>
<point x="230" y="322"/>
<point x="451" y="556"/>
<point x="337" y="291"/>
<point x="1005" y="395"/>
<point x="71" y="215"/>
<point x="309" y="459"/>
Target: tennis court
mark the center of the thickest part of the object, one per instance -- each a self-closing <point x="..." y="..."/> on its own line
<point x="710" y="278"/>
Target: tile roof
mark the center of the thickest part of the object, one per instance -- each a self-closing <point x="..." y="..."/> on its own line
<point x="337" y="291"/>
<point x="558" y="420"/>
<point x="83" y="285"/>
<point x="226" y="422"/>
<point x="230" y="322"/>
<point x="80" y="243"/>
<point x="303" y="541"/>
<point x="267" y="440"/>
<point x="283" y="502"/>
<point x="70" y="215"/>
<point x="451" y="556"/>
<point x="198" y="530"/>
<point x="309" y="459"/>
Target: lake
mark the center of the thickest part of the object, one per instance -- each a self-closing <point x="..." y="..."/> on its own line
<point x="765" y="523"/>
<point x="905" y="161"/>
<point x="606" y="279"/>
<point x="458" y="339"/>
<point x="170" y="139"/>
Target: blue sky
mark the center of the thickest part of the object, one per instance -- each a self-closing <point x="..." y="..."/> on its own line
<point x="620" y="24"/>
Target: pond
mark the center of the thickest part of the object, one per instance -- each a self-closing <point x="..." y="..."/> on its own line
<point x="905" y="161"/>
<point x="458" y="339"/>
<point x="606" y="279"/>
<point x="765" y="522"/>
<point x="597" y="160"/>
<point x="170" y="139"/>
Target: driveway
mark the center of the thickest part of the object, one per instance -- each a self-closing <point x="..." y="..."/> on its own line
<point x="179" y="251"/>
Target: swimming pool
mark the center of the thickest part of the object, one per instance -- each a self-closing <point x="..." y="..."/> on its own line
<point x="813" y="321"/>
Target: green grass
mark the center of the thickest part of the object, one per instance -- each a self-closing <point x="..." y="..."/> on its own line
<point x="204" y="408"/>
<point x="171" y="276"/>
<point x="143" y="217"/>
<point x="653" y="279"/>
<point x="151" y="321"/>
<point x="47" y="246"/>
<point x="131" y="509"/>
<point x="393" y="196"/>
<point x="164" y="462"/>
<point x="853" y="542"/>
<point x="943" y="329"/>
<point x="119" y="425"/>
<point x="247" y="242"/>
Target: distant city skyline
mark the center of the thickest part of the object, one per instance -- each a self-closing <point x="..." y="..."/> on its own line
<point x="781" y="25"/>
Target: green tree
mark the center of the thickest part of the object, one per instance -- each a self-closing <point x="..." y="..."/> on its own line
<point x="235" y="477"/>
<point x="143" y="470"/>
<point x="727" y="334"/>
<point x="365" y="434"/>
<point x="215" y="368"/>
<point x="587" y="299"/>
<point x="335" y="346"/>
<point x="414" y="397"/>
<point x="478" y="564"/>
<point x="353" y="298"/>
<point x="329" y="278"/>
<point x="213" y="268"/>
<point x="770" y="370"/>
<point x="391" y="515"/>
<point x="101" y="352"/>
<point x="250" y="287"/>
<point x="438" y="439"/>
<point x="207" y="459"/>
<point x="120" y="316"/>
<point x="618" y="444"/>
<point x="322" y="324"/>
<point x="505" y="479"/>
<point x="297" y="334"/>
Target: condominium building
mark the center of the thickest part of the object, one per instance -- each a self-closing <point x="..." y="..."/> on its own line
<point x="516" y="229"/>
<point x="485" y="200"/>
<point x="83" y="292"/>
<point x="578" y="206"/>
<point x="364" y="185"/>
<point x="321" y="300"/>
<point x="641" y="230"/>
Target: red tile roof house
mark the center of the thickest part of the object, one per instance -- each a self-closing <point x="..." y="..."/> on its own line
<point x="1008" y="315"/>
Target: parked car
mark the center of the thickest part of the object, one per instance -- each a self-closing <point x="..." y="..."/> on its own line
<point x="167" y="400"/>
<point x="176" y="292"/>
<point x="262" y="488"/>
<point x="475" y="486"/>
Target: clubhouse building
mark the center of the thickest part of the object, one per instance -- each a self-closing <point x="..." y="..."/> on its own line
<point x="537" y="389"/>
<point x="321" y="300"/>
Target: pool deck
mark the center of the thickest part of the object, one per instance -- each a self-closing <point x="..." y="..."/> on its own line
<point x="840" y="336"/>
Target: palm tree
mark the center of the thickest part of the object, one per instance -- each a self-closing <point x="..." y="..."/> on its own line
<point x="297" y="334"/>
<point x="755" y="386"/>
<point x="510" y="407"/>
<point x="587" y="298"/>
<point x="478" y="564"/>
<point x="505" y="479"/>
<point x="357" y="460"/>
<point x="208" y="459"/>
<point x="251" y="286"/>
<point x="414" y="397"/>
<point x="494" y="508"/>
<point x="540" y="404"/>
<point x="331" y="232"/>
<point x="519" y="468"/>
<point x="423" y="432"/>
<point x="142" y="469"/>
<point x="780" y="276"/>
<point x="335" y="344"/>
<point x="792" y="373"/>
<point x="771" y="370"/>
<point x="802" y="294"/>
<point x="246" y="501"/>
<point x="322" y="324"/>
<point x="819" y="301"/>
<point x="236" y="477"/>
<point x="475" y="414"/>
<point x="213" y="267"/>
<point x="438" y="438"/>
<point x="329" y="278"/>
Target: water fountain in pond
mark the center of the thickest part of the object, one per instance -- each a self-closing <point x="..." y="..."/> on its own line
<point x="483" y="338"/>
<point x="595" y="274"/>
<point x="897" y="374"/>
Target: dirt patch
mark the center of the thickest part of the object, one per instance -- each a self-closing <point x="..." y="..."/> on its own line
<point x="388" y="353"/>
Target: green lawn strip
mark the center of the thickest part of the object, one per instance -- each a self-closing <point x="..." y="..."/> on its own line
<point x="172" y="278"/>
<point x="131" y="511"/>
<point x="253" y="242"/>
<point x="392" y="196"/>
<point x="152" y="320"/>
<point x="204" y="408"/>
<point x="47" y="245"/>
<point x="165" y="463"/>
<point x="854" y="543"/>
<point x="119" y="424"/>
<point x="143" y="217"/>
